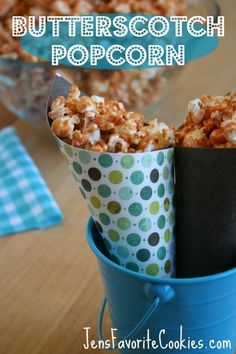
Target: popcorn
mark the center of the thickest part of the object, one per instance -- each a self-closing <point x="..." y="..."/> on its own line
<point x="195" y="139"/>
<point x="61" y="8"/>
<point x="100" y="147"/>
<point x="117" y="144"/>
<point x="59" y="112"/>
<point x="74" y="91"/>
<point x="78" y="140"/>
<point x="63" y="127"/>
<point x="217" y="137"/>
<point x="97" y="99"/>
<point x="194" y="107"/>
<point x="211" y="122"/>
<point x="94" y="137"/>
<point x="86" y="104"/>
<point x="229" y="127"/>
<point x="59" y="103"/>
<point x="100" y="125"/>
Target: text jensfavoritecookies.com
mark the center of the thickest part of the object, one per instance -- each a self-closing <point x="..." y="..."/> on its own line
<point x="160" y="342"/>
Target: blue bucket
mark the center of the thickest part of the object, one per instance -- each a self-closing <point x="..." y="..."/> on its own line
<point x="199" y="311"/>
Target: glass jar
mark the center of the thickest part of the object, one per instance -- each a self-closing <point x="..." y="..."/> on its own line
<point x="24" y="86"/>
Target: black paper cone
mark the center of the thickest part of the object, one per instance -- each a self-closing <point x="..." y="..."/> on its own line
<point x="205" y="210"/>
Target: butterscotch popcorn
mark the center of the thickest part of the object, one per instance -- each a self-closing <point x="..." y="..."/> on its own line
<point x="100" y="125"/>
<point x="211" y="122"/>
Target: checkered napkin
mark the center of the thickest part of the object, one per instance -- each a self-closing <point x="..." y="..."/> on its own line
<point x="25" y="201"/>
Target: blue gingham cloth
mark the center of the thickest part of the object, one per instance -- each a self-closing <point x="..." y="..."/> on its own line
<point x="25" y="201"/>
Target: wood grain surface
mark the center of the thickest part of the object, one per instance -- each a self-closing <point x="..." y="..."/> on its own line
<point x="50" y="287"/>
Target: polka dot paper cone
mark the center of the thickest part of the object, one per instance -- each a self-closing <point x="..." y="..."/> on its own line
<point x="130" y="197"/>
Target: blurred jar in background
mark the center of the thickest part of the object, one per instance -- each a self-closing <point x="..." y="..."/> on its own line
<point x="25" y="81"/>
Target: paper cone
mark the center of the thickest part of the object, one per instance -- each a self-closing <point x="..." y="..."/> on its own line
<point x="205" y="210"/>
<point x="130" y="197"/>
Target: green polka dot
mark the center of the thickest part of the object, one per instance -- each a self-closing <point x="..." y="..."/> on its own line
<point x="86" y="185"/>
<point x="161" y="222"/>
<point x="147" y="161"/>
<point x="132" y="266"/>
<point x="113" y="235"/>
<point x="68" y="150"/>
<point x="170" y="156"/>
<point x="146" y="193"/>
<point x="166" y="173"/>
<point x="167" y="266"/>
<point x="114" y="207"/>
<point x="77" y="168"/>
<point x="115" y="177"/>
<point x="135" y="209"/>
<point x="122" y="251"/>
<point x="167" y="235"/>
<point x="166" y="204"/>
<point x="95" y="202"/>
<point x="154" y="208"/>
<point x="125" y="193"/>
<point x="152" y="269"/>
<point x="91" y="210"/>
<point x="127" y="161"/>
<point x="133" y="240"/>
<point x="161" y="190"/>
<point x="107" y="243"/>
<point x="160" y="158"/>
<point x="137" y="177"/>
<point x="85" y="157"/>
<point x="82" y="192"/>
<point x="105" y="160"/>
<point x="104" y="218"/>
<point x="161" y="253"/>
<point x="115" y="259"/>
<point x="145" y="224"/>
<point x="123" y="223"/>
<point x="143" y="255"/>
<point x="104" y="191"/>
<point x="171" y="218"/>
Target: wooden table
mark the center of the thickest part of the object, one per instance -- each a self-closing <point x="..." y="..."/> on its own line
<point x="49" y="281"/>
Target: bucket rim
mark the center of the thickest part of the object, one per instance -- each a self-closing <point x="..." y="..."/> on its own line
<point x="148" y="278"/>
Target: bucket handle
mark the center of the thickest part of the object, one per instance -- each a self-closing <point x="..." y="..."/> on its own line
<point x="138" y="326"/>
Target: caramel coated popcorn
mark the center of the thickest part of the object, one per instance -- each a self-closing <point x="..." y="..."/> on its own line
<point x="100" y="125"/>
<point x="211" y="122"/>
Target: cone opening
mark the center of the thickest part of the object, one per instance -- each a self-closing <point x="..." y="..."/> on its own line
<point x="60" y="88"/>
